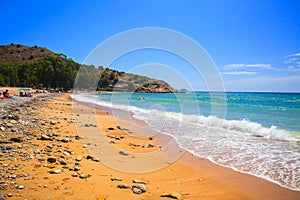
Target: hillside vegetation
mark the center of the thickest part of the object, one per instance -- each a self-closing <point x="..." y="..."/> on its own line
<point x="38" y="67"/>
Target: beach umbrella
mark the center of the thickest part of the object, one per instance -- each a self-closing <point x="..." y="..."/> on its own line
<point x="24" y="88"/>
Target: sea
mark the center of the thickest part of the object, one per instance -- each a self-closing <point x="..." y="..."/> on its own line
<point x="253" y="133"/>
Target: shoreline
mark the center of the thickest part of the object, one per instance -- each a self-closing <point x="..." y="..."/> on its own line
<point x="168" y="137"/>
<point x="53" y="162"/>
<point x="193" y="161"/>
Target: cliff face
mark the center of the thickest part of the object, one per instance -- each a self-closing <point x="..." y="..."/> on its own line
<point x="24" y="66"/>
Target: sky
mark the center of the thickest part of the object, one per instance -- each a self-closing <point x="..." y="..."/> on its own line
<point x="254" y="44"/>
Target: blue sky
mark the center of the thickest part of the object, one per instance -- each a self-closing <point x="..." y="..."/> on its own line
<point x="255" y="44"/>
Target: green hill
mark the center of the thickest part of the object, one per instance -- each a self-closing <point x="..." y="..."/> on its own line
<point x="38" y="67"/>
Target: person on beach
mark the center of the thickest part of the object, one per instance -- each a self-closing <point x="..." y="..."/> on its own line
<point x="6" y="94"/>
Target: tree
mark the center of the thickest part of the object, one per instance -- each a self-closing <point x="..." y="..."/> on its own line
<point x="2" y="82"/>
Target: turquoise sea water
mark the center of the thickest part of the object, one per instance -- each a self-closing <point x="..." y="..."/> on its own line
<point x="255" y="133"/>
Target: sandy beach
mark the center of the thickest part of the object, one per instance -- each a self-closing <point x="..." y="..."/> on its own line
<point x="54" y="148"/>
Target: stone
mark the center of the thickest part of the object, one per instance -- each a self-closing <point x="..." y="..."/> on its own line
<point x="13" y="176"/>
<point x="55" y="171"/>
<point x="136" y="190"/>
<point x="37" y="151"/>
<point x="79" y="158"/>
<point x="41" y="159"/>
<point x="111" y="128"/>
<point x="124" y="186"/>
<point x="151" y="145"/>
<point x="150" y="138"/>
<point x="20" y="187"/>
<point x="116" y="179"/>
<point x="138" y="181"/>
<point x="65" y="140"/>
<point x="44" y="137"/>
<point x="9" y="195"/>
<point x="82" y="176"/>
<point x="142" y="187"/>
<point x="123" y="153"/>
<point x="173" y="195"/>
<point x="51" y="160"/>
<point x="16" y="139"/>
<point x="95" y="159"/>
<point x="66" y="153"/>
<point x="63" y="162"/>
<point x="76" y="168"/>
<point x="52" y="122"/>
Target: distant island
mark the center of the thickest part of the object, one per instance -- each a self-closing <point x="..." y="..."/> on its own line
<point x="38" y="67"/>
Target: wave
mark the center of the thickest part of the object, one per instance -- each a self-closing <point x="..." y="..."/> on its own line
<point x="242" y="127"/>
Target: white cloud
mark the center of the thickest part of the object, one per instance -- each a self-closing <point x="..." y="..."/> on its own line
<point x="290" y="60"/>
<point x="293" y="60"/>
<point x="239" y="73"/>
<point x="294" y="55"/>
<point x="256" y="65"/>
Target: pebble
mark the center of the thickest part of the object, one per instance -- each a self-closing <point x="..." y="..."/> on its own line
<point x="66" y="153"/>
<point x="65" y="140"/>
<point x="44" y="137"/>
<point x="95" y="159"/>
<point x="142" y="187"/>
<point x="41" y="159"/>
<point x="79" y="158"/>
<point x="124" y="186"/>
<point x="63" y="162"/>
<point x="9" y="195"/>
<point x="51" y="160"/>
<point x="55" y="171"/>
<point x="173" y="195"/>
<point x="82" y="176"/>
<point x="37" y="151"/>
<point x="76" y="168"/>
<point x="151" y="145"/>
<point x="52" y="122"/>
<point x="123" y="153"/>
<point x="20" y="187"/>
<point x="136" y="190"/>
<point x="116" y="179"/>
<point x="138" y="181"/>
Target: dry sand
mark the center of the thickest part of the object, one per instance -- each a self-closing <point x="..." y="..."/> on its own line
<point x="65" y="131"/>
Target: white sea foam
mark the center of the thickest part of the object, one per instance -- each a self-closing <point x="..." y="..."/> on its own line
<point x="245" y="146"/>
